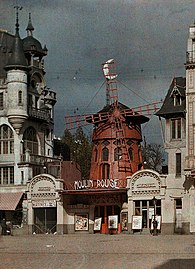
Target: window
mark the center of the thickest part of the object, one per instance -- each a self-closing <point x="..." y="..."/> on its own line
<point x="20" y="98"/>
<point x="6" y="175"/>
<point x="117" y="154"/>
<point x="131" y="154"/>
<point x="177" y="100"/>
<point x="105" y="171"/>
<point x="6" y="140"/>
<point x="176" y="128"/>
<point x="22" y="177"/>
<point x="30" y="140"/>
<point x="178" y="164"/>
<point x="1" y="101"/>
<point x="105" y="153"/>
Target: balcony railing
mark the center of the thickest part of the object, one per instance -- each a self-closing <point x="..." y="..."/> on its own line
<point x="36" y="159"/>
<point x="39" y="114"/>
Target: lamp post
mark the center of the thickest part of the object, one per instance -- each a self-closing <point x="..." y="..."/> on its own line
<point x="154" y="221"/>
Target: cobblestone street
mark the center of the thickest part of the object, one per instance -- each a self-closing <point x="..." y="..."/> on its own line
<point x="84" y="251"/>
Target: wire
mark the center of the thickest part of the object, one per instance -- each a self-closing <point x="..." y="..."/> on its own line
<point x="133" y="91"/>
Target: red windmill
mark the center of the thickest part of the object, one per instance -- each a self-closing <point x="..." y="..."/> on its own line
<point x="116" y="138"/>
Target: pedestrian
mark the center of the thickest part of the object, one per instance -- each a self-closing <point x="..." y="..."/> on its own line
<point x="3" y="225"/>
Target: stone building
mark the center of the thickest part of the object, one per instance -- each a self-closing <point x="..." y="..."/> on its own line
<point x="26" y="117"/>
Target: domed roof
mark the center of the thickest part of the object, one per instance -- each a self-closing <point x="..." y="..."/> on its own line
<point x="32" y="44"/>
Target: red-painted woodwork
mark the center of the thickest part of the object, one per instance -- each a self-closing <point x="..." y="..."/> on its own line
<point x="116" y="151"/>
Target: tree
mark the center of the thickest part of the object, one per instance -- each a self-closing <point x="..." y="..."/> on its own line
<point x="80" y="150"/>
<point x="153" y="156"/>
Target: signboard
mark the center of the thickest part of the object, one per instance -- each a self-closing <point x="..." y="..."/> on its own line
<point x="136" y="222"/>
<point x="113" y="222"/>
<point x="81" y="222"/>
<point x="44" y="203"/>
<point x="97" y="224"/>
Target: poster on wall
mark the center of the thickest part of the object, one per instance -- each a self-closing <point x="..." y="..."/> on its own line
<point x="81" y="222"/>
<point x="113" y="222"/>
<point x="97" y="224"/>
<point x="124" y="221"/>
<point x="136" y="222"/>
<point x="158" y="219"/>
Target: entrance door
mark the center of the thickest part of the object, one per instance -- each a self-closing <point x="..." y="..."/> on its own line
<point x="103" y="212"/>
<point x="145" y="208"/>
<point x="45" y="220"/>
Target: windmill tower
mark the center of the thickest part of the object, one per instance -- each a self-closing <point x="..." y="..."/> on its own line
<point x="116" y="138"/>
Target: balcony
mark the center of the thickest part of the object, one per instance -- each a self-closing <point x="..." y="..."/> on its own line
<point x="39" y="114"/>
<point x="36" y="159"/>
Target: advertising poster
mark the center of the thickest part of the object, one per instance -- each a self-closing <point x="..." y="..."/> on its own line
<point x="113" y="222"/>
<point x="137" y="223"/>
<point x="97" y="224"/>
<point x="81" y="222"/>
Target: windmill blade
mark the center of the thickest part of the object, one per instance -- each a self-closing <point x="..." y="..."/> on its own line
<point x="81" y="120"/>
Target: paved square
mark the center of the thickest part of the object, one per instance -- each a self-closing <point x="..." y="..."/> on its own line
<point x="84" y="251"/>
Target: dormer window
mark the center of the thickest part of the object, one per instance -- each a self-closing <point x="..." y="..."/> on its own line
<point x="177" y="100"/>
<point x="176" y="95"/>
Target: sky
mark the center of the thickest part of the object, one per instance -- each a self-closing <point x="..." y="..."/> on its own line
<point x="146" y="38"/>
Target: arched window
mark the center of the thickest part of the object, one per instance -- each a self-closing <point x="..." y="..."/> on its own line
<point x="6" y="140"/>
<point x="105" y="153"/>
<point x="20" y="98"/>
<point x="30" y="140"/>
<point x="117" y="154"/>
<point x="131" y="154"/>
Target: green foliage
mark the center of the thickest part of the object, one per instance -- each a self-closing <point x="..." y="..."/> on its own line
<point x="80" y="149"/>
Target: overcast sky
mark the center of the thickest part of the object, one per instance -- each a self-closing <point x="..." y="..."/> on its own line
<point x="147" y="39"/>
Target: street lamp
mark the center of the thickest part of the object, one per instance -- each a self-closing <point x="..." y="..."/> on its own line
<point x="154" y="221"/>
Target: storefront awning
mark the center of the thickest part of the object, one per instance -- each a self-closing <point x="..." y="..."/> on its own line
<point x="10" y="200"/>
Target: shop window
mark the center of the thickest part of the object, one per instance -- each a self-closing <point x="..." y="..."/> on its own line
<point x="176" y="128"/>
<point x="6" y="140"/>
<point x="105" y="153"/>
<point x="137" y="208"/>
<point x="178" y="164"/>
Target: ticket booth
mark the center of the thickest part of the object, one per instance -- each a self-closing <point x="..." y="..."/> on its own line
<point x="45" y="207"/>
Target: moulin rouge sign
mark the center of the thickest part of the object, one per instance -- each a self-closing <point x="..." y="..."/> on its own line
<point x="96" y="184"/>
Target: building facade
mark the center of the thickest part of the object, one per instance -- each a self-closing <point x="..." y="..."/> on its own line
<point x="26" y="117"/>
